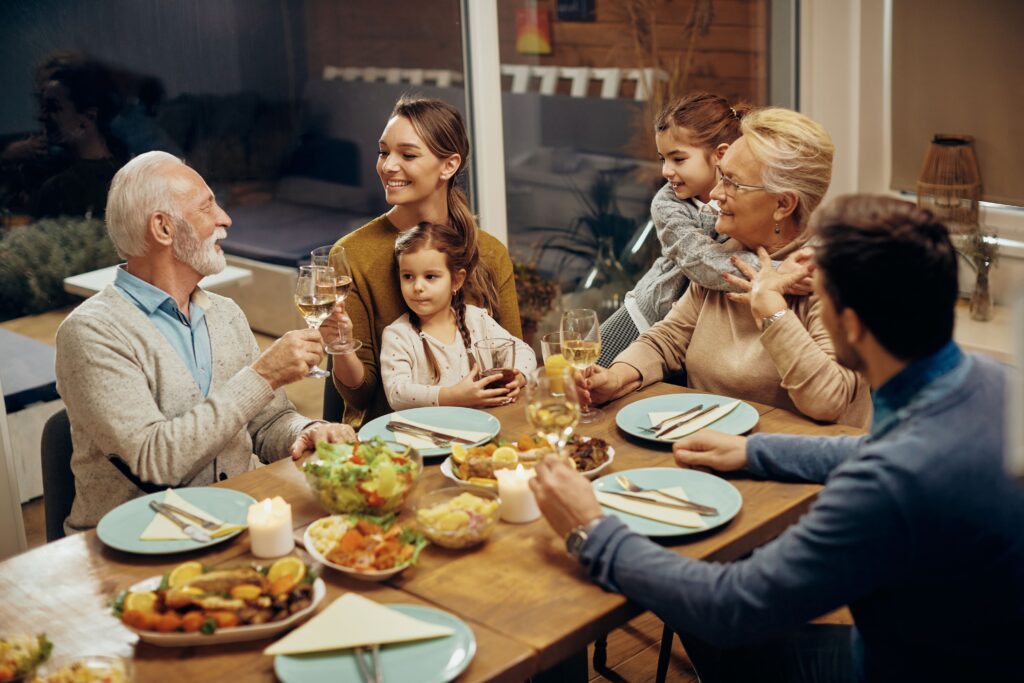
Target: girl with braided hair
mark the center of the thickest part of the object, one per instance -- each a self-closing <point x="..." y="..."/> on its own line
<point x="426" y="357"/>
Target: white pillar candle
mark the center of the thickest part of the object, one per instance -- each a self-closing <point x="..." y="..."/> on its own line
<point x="270" y="527"/>
<point x="517" y="502"/>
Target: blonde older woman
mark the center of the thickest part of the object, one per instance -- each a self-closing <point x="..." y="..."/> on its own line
<point x="759" y="344"/>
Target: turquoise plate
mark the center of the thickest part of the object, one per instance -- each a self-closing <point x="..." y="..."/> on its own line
<point x="699" y="486"/>
<point x="630" y="419"/>
<point x="121" y="527"/>
<point x="426" y="661"/>
<point x="440" y="417"/>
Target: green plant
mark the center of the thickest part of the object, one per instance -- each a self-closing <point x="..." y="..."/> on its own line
<point x="35" y="259"/>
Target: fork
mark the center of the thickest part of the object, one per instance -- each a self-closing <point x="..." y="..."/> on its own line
<point x="369" y="673"/>
<point x="626" y="483"/>
<point x="654" y="428"/>
<point x="413" y="431"/>
<point x="201" y="521"/>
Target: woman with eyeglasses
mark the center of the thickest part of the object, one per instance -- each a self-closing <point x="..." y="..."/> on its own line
<point x="758" y="342"/>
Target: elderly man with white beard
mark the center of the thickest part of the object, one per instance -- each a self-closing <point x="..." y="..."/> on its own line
<point x="163" y="382"/>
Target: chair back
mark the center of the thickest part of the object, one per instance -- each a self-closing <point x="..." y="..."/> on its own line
<point x="334" y="405"/>
<point x="58" y="479"/>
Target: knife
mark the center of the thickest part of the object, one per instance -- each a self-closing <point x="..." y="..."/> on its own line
<point x="687" y="505"/>
<point x="191" y="530"/>
<point x="422" y="431"/>
<point x="676" y="425"/>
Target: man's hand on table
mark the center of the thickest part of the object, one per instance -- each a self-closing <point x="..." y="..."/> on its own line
<point x="564" y="495"/>
<point x="311" y="435"/>
<point x="290" y="357"/>
<point x="708" y="448"/>
<point x="597" y="385"/>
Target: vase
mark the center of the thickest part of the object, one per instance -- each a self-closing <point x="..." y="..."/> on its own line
<point x="981" y="298"/>
<point x="604" y="287"/>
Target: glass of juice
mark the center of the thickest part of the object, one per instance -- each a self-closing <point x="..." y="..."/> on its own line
<point x="496" y="357"/>
<point x="554" y="361"/>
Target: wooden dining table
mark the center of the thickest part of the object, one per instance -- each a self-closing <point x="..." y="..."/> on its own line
<point x="528" y="604"/>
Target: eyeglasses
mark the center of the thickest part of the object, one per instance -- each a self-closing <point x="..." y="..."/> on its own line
<point x="731" y="185"/>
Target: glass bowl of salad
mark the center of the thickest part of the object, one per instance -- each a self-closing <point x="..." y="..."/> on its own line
<point x="458" y="516"/>
<point x="371" y="477"/>
<point x="90" y="669"/>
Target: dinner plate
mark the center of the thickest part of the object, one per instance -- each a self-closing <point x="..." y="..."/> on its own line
<point x="437" y="660"/>
<point x="448" y="467"/>
<point x="378" y="575"/>
<point x="235" y="634"/>
<point x="701" y="487"/>
<point x="442" y="417"/>
<point x="630" y="419"/>
<point x="121" y="527"/>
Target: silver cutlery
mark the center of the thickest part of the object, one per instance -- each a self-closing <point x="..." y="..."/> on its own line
<point x="201" y="521"/>
<point x="191" y="530"/>
<point x="429" y="433"/>
<point x="654" y="428"/>
<point x="676" y="425"/>
<point x="371" y="672"/>
<point x="700" y="510"/>
<point x="627" y="483"/>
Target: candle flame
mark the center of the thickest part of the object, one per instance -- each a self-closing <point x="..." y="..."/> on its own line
<point x="519" y="470"/>
<point x="267" y="506"/>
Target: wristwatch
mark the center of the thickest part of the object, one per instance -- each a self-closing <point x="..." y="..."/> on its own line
<point x="767" y="321"/>
<point x="576" y="539"/>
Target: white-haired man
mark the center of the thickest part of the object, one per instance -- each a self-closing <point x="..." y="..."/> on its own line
<point x="164" y="383"/>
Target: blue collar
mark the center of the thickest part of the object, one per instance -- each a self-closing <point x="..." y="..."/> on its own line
<point x="905" y="385"/>
<point x="149" y="297"/>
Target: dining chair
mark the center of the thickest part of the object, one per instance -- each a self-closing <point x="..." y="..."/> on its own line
<point x="58" y="479"/>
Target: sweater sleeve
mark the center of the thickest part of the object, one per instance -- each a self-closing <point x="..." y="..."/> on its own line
<point x="359" y="398"/>
<point x="786" y="457"/>
<point x="830" y="558"/>
<point x="820" y="387"/>
<point x="662" y="348"/>
<point x="104" y="388"/>
<point x="691" y="243"/>
<point x="398" y="357"/>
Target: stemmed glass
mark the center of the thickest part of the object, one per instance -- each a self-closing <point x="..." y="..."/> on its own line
<point x="581" y="347"/>
<point x="552" y="406"/>
<point x="315" y="297"/>
<point x="334" y="257"/>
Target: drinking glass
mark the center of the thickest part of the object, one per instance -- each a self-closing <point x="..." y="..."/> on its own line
<point x="554" y="361"/>
<point x="334" y="257"/>
<point x="315" y="297"/>
<point x="581" y="346"/>
<point x="552" y="414"/>
<point x="496" y="357"/>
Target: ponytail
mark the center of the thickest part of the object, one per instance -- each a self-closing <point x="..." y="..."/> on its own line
<point x="480" y="278"/>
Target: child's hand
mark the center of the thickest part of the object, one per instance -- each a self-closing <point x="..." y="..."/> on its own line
<point x="336" y="325"/>
<point x="514" y="386"/>
<point x="472" y="392"/>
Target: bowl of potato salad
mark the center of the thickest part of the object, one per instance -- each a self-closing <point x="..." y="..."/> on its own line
<point x="458" y="516"/>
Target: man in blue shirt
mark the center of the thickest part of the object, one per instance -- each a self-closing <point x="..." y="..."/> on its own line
<point x="918" y="528"/>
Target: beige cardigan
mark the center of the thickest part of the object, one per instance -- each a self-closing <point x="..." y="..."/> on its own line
<point x="129" y="396"/>
<point x="790" y="365"/>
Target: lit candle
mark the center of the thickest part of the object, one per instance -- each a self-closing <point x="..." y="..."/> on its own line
<point x="517" y="502"/>
<point x="270" y="527"/>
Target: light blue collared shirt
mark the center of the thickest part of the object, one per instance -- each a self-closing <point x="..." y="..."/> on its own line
<point x="188" y="335"/>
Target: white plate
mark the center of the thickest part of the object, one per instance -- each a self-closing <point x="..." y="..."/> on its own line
<point x="378" y="575"/>
<point x="449" y="471"/>
<point x="235" y="634"/>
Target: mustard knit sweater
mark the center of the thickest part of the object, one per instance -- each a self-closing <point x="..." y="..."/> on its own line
<point x="375" y="301"/>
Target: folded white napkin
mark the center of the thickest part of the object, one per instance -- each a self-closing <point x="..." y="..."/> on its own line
<point x="355" y="621"/>
<point x="163" y="529"/>
<point x="423" y="442"/>
<point x="673" y="516"/>
<point x="693" y="425"/>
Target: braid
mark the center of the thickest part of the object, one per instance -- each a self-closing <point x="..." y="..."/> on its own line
<point x="435" y="369"/>
<point x="459" y="305"/>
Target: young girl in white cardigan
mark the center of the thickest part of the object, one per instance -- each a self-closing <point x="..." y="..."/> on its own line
<point x="426" y="356"/>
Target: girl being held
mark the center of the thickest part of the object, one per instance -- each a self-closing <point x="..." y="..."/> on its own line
<point x="426" y="355"/>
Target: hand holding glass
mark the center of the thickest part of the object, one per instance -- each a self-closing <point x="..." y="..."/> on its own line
<point x="581" y="347"/>
<point x="315" y="297"/>
<point x="496" y="357"/>
<point x="334" y="257"/>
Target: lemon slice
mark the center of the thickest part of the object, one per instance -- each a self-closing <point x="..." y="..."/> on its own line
<point x="459" y="453"/>
<point x="287" y="566"/>
<point x="505" y="456"/>
<point x="184" y="573"/>
<point x="143" y="602"/>
<point x="484" y="481"/>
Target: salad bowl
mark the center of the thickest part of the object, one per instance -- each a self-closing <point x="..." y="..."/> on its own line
<point x="373" y="477"/>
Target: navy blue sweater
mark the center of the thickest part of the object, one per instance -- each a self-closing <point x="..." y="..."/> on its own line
<point x="918" y="530"/>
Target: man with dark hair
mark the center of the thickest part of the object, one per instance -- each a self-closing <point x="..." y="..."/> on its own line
<point x="918" y="529"/>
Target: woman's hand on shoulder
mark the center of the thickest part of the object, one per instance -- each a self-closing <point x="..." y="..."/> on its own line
<point x="473" y="392"/>
<point x="764" y="289"/>
<point x="802" y="261"/>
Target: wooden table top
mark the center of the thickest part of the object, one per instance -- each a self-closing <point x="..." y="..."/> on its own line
<point x="527" y="602"/>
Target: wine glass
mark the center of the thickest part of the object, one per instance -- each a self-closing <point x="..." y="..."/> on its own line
<point x="334" y="257"/>
<point x="552" y="406"/>
<point x="581" y="347"/>
<point x="315" y="297"/>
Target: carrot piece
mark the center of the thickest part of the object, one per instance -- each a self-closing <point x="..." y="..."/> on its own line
<point x="227" y="619"/>
<point x="192" y="621"/>
<point x="352" y="540"/>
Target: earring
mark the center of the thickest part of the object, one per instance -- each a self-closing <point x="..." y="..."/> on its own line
<point x="777" y="229"/>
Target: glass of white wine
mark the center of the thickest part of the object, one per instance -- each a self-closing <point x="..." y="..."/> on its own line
<point x="315" y="297"/>
<point x="334" y="257"/>
<point x="581" y="347"/>
<point x="552" y="406"/>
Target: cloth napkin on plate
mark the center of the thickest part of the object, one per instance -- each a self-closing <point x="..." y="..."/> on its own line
<point x="355" y="621"/>
<point x="693" y="425"/>
<point x="659" y="513"/>
<point x="423" y="442"/>
<point x="163" y="529"/>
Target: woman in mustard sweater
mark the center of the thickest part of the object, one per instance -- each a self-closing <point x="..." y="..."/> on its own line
<point x="423" y="152"/>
